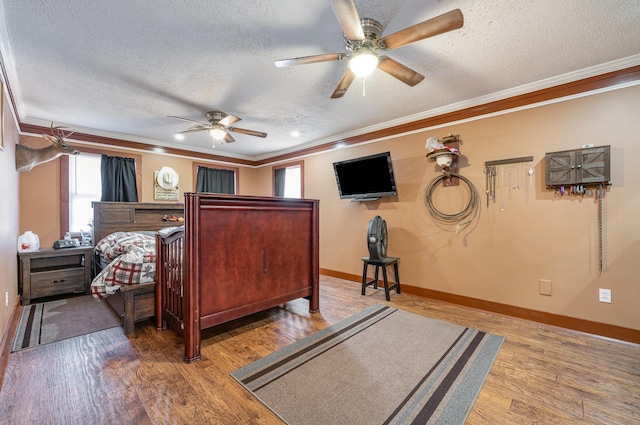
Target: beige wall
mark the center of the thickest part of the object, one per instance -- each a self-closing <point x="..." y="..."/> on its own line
<point x="9" y="221"/>
<point x="504" y="254"/>
<point x="40" y="197"/>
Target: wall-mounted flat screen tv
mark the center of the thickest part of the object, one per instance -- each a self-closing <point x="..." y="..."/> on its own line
<point x="367" y="178"/>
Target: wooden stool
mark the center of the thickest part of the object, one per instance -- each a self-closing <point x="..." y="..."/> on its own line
<point x="381" y="263"/>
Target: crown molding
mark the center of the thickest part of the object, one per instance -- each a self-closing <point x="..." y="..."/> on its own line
<point x="618" y="78"/>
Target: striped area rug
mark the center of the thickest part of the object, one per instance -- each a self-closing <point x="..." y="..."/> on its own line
<point x="53" y="321"/>
<point x="380" y="366"/>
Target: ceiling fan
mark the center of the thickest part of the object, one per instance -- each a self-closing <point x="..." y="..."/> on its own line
<point x="363" y="42"/>
<point x="219" y="126"/>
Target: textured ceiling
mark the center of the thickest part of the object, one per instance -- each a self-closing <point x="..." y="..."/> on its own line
<point x="118" y="68"/>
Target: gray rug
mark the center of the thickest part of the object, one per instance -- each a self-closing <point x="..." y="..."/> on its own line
<point x="52" y="321"/>
<point x="380" y="366"/>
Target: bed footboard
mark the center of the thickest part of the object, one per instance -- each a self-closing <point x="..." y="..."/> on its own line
<point x="133" y="303"/>
<point x="245" y="254"/>
<point x="138" y="304"/>
<point x="169" y="278"/>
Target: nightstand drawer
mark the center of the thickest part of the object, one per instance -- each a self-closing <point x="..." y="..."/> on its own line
<point x="44" y="284"/>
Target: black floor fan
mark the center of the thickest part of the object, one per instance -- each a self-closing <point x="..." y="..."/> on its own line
<point x="377" y="238"/>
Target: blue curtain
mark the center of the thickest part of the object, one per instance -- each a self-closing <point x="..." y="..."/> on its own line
<point x="215" y="180"/>
<point x="118" y="179"/>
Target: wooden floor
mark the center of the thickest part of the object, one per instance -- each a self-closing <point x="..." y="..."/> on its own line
<point x="542" y="375"/>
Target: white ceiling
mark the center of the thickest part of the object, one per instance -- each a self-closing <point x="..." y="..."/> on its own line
<point x="118" y="68"/>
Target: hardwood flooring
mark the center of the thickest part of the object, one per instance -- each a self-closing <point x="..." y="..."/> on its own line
<point x="542" y="375"/>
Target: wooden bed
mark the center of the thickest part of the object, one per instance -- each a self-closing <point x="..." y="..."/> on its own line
<point x="133" y="302"/>
<point x="235" y="256"/>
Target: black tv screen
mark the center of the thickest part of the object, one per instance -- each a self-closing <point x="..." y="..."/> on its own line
<point x="366" y="178"/>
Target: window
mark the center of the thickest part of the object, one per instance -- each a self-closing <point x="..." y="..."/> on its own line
<point x="292" y="187"/>
<point x="85" y="186"/>
<point x="95" y="183"/>
<point x="288" y="180"/>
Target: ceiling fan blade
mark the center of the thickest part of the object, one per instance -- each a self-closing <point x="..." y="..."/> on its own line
<point x="343" y="85"/>
<point x="189" y="120"/>
<point x="347" y="14"/>
<point x="228" y="138"/>
<point x="248" y="132"/>
<point x="228" y="120"/>
<point x="399" y="71"/>
<point x="309" y="59"/>
<point x="434" y="26"/>
<point x="194" y="129"/>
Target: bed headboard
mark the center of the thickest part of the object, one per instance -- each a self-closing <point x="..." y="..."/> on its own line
<point x="109" y="217"/>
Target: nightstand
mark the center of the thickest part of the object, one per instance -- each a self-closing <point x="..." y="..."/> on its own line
<point x="51" y="271"/>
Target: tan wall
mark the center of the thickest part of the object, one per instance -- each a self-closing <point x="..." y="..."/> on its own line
<point x="504" y="254"/>
<point x="264" y="181"/>
<point x="40" y="197"/>
<point x="9" y="221"/>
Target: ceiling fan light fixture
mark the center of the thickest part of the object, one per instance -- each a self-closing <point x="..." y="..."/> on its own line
<point x="363" y="62"/>
<point x="218" y="133"/>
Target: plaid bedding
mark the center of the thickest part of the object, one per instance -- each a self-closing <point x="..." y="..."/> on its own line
<point x="132" y="257"/>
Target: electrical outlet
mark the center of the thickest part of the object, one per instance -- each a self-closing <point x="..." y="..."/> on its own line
<point x="544" y="287"/>
<point x="605" y="295"/>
